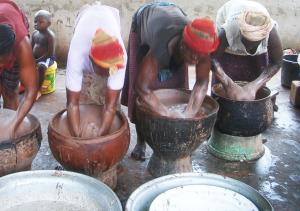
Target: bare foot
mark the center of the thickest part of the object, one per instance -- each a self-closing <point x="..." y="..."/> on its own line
<point x="138" y="152"/>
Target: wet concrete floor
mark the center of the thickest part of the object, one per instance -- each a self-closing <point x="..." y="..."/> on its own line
<point x="276" y="175"/>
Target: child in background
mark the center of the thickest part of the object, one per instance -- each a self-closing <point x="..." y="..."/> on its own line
<point x="43" y="43"/>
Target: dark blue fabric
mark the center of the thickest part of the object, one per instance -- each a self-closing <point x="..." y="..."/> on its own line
<point x="165" y="74"/>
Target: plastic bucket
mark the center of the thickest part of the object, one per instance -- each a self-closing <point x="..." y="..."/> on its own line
<point x="48" y="85"/>
<point x="290" y="70"/>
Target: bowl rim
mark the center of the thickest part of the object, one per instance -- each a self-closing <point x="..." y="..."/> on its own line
<point x="241" y="101"/>
<point x="80" y="140"/>
<point x="165" y="183"/>
<point x="290" y="61"/>
<point x="35" y="128"/>
<point x="214" y="111"/>
<point x="26" y="175"/>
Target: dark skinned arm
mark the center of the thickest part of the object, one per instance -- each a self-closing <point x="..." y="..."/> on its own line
<point x="32" y="40"/>
<point x="51" y="45"/>
<point x="109" y="111"/>
<point x="73" y="113"/>
<point x="275" y="59"/>
<point x="148" y="70"/>
<point x="28" y="76"/>
<point x="248" y="92"/>
<point x="200" y="88"/>
<point x="232" y="90"/>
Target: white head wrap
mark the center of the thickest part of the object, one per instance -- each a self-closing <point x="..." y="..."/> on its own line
<point x="255" y="25"/>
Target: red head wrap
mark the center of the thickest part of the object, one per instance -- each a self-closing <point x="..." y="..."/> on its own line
<point x="200" y="35"/>
<point x="106" y="51"/>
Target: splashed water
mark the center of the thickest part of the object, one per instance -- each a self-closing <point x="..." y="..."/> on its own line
<point x="177" y="108"/>
<point x="196" y="167"/>
<point x="269" y="190"/>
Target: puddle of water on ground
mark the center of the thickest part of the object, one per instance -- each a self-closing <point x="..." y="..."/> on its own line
<point x="268" y="189"/>
<point x="196" y="167"/>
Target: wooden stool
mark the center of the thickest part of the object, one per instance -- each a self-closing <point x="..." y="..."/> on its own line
<point x="295" y="93"/>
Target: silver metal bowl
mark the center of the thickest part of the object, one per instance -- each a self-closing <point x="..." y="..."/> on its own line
<point x="56" y="191"/>
<point x="142" y="198"/>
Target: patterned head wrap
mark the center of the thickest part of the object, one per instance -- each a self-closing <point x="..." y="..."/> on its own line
<point x="200" y="35"/>
<point x="107" y="52"/>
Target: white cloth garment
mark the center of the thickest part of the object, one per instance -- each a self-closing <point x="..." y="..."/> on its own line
<point x="88" y="21"/>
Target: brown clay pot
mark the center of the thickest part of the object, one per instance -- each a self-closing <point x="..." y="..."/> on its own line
<point x="96" y="157"/>
<point x="18" y="154"/>
<point x="174" y="139"/>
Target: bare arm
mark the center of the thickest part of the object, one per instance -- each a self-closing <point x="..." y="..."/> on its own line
<point x="200" y="87"/>
<point x="73" y="113"/>
<point x="232" y="90"/>
<point x="275" y="58"/>
<point x="109" y="112"/>
<point x="248" y="92"/>
<point x="51" y="45"/>
<point x="32" y="40"/>
<point x="28" y="76"/>
<point x="147" y="74"/>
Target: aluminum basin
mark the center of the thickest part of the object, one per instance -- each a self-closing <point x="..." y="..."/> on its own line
<point x="56" y="191"/>
<point x="142" y="198"/>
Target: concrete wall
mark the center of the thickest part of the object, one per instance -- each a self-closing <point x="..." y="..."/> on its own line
<point x="285" y="12"/>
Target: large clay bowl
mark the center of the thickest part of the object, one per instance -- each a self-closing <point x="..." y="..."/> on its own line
<point x="174" y="138"/>
<point x="92" y="156"/>
<point x="18" y="154"/>
<point x="243" y="118"/>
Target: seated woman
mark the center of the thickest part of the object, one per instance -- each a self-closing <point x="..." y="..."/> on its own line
<point x="250" y="48"/>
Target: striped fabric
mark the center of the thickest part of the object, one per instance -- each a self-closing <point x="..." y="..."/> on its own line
<point x="106" y="51"/>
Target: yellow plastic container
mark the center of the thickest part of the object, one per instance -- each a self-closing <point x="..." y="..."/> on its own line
<point x="48" y="85"/>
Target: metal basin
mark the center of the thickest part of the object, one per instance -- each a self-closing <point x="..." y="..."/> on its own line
<point x="143" y="197"/>
<point x="55" y="191"/>
<point x="243" y="118"/>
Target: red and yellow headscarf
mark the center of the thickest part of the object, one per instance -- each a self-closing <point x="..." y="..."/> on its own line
<point x="200" y="35"/>
<point x="107" y="52"/>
